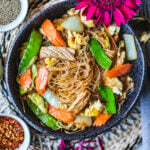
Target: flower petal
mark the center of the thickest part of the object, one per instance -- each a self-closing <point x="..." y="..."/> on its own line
<point x="81" y="4"/>
<point x="138" y="1"/>
<point x="118" y="17"/>
<point x="99" y="19"/>
<point x="127" y="12"/>
<point x="131" y="4"/>
<point x="107" y="18"/>
<point x="97" y="13"/>
<point x="91" y="11"/>
<point x="116" y="2"/>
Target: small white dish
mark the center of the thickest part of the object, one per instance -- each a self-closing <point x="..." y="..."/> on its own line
<point x="27" y="136"/>
<point x="21" y="16"/>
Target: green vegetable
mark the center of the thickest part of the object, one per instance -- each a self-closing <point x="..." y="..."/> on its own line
<point x="109" y="98"/>
<point x="31" y="52"/>
<point x="34" y="74"/>
<point x="22" y="91"/>
<point x="24" y="45"/>
<point x="47" y="119"/>
<point x="39" y="102"/>
<point x="101" y="58"/>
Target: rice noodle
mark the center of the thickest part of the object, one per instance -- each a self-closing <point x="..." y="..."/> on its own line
<point x="68" y="79"/>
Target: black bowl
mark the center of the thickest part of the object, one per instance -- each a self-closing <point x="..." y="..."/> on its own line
<point x="52" y="12"/>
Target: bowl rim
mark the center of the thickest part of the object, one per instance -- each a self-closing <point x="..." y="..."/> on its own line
<point x="21" y="16"/>
<point x="92" y="134"/>
<point x="27" y="135"/>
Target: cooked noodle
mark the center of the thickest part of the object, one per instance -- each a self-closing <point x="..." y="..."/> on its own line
<point x="68" y="79"/>
<point x="73" y="82"/>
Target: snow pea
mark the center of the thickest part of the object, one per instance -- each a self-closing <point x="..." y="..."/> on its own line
<point x="102" y="59"/>
<point x="39" y="102"/>
<point x="34" y="74"/>
<point x="22" y="91"/>
<point x="47" y="119"/>
<point x="29" y="56"/>
<point x="109" y="98"/>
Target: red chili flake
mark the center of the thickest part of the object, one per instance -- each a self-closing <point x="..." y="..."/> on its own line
<point x="11" y="133"/>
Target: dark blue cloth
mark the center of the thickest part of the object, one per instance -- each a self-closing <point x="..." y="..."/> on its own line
<point x="145" y="107"/>
<point x="145" y="112"/>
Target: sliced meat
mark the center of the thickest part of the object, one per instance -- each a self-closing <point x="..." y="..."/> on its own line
<point x="111" y="54"/>
<point x="80" y="102"/>
<point x="57" y="52"/>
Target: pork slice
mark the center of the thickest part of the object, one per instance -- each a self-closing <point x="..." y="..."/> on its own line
<point x="57" y="52"/>
<point x="80" y="102"/>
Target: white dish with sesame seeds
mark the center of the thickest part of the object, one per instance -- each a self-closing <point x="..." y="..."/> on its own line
<point x="21" y="16"/>
<point x="26" y="141"/>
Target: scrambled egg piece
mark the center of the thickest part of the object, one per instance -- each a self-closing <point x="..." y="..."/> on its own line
<point x="57" y="23"/>
<point x="89" y="23"/>
<point x="115" y="84"/>
<point x="75" y="40"/>
<point x="72" y="11"/>
<point x="50" y="61"/>
<point x="94" y="109"/>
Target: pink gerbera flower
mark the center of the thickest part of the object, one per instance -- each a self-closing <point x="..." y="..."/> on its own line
<point x="106" y="10"/>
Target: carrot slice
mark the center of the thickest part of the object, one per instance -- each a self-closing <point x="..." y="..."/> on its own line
<point x="25" y="79"/>
<point x="119" y="70"/>
<point x="42" y="80"/>
<point x="61" y="114"/>
<point x="52" y="34"/>
<point x="101" y="119"/>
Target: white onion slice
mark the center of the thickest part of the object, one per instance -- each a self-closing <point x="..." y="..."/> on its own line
<point x="130" y="46"/>
<point x="83" y="120"/>
<point x="51" y="99"/>
<point x="73" y="23"/>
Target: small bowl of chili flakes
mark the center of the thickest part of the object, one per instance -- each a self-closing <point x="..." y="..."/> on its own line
<point x="14" y="133"/>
